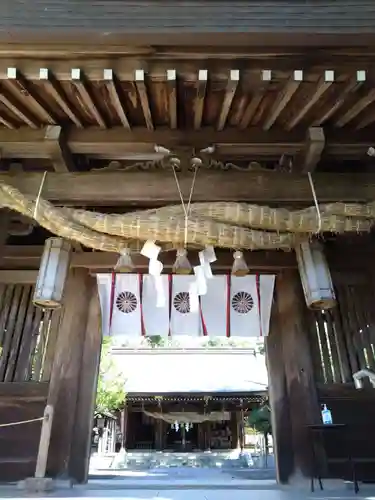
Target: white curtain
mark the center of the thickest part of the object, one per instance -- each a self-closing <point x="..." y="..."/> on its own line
<point x="184" y="321"/>
<point x="155" y="314"/>
<point x="214" y="306"/>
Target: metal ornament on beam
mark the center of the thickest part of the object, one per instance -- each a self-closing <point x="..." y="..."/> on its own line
<point x="315" y="276"/>
<point x="53" y="272"/>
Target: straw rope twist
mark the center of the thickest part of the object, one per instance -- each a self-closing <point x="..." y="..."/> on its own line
<point x="226" y="225"/>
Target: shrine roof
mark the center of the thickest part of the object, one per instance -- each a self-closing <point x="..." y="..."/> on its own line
<point x="235" y="373"/>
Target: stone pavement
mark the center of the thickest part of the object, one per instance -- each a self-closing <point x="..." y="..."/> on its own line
<point x="201" y="494"/>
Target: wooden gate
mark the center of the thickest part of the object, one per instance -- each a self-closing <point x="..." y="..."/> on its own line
<point x="27" y="337"/>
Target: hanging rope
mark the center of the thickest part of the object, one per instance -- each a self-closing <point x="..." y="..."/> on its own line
<point x="39" y="195"/>
<point x="11" y="424"/>
<point x="315" y="202"/>
<point x="184" y="208"/>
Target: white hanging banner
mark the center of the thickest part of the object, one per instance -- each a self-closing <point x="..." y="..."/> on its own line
<point x="244" y="307"/>
<point x="104" y="291"/>
<point x="184" y="320"/>
<point x="214" y="307"/>
<point x="125" y="319"/>
<point x="155" y="305"/>
<point x="266" y="288"/>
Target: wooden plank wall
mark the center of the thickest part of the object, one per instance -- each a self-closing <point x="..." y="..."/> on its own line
<point x="19" y="444"/>
<point x="343" y="342"/>
<point x="343" y="339"/>
<point x="27" y="335"/>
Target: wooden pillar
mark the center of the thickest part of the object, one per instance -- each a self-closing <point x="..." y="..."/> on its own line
<point x="124" y="426"/>
<point x="234" y="429"/>
<point x="159" y="428"/>
<point x="88" y="380"/>
<point x="208" y="435"/>
<point x="73" y="377"/>
<point x="242" y="430"/>
<point x="299" y="376"/>
<point x="279" y="400"/>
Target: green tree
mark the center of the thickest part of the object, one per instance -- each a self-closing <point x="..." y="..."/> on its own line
<point x="260" y="420"/>
<point x="110" y="394"/>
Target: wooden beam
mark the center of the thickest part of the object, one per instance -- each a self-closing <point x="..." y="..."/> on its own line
<point x="142" y="92"/>
<point x="158" y="188"/>
<point x="256" y="99"/>
<point x="199" y="98"/>
<point x="24" y="277"/>
<point x="283" y="98"/>
<point x="139" y="143"/>
<point x="29" y="257"/>
<point x="230" y="91"/>
<point x="79" y="83"/>
<point x="172" y="97"/>
<point x="18" y="83"/>
<point x="312" y="153"/>
<point x="356" y="109"/>
<point x="59" y="150"/>
<point x="321" y="88"/>
<point x="114" y="96"/>
<point x="53" y="87"/>
<point x="350" y="88"/>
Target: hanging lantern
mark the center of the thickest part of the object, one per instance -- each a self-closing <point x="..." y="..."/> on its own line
<point x="53" y="272"/>
<point x="315" y="276"/>
<point x="239" y="267"/>
<point x="182" y="264"/>
<point x="124" y="263"/>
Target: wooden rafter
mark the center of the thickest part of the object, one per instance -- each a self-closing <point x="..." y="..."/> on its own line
<point x="111" y="85"/>
<point x="142" y="92"/>
<point x="356" y="109"/>
<point x="366" y="121"/>
<point x="18" y="82"/>
<point x="55" y="90"/>
<point x="312" y="152"/>
<point x="59" y="151"/>
<point x="352" y="86"/>
<point x="17" y="109"/>
<point x="6" y="122"/>
<point x="79" y="82"/>
<point x="121" y="188"/>
<point x="230" y="91"/>
<point x="172" y="97"/>
<point x="283" y="98"/>
<point x="256" y="99"/>
<point x="199" y="98"/>
<point x="321" y="88"/>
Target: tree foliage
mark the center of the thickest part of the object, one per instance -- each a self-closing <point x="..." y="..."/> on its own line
<point x="260" y="420"/>
<point x="110" y="394"/>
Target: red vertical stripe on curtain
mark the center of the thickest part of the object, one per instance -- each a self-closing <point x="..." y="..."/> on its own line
<point x="170" y="283"/>
<point x="112" y="300"/>
<point x="228" y="305"/>
<point x="258" y="295"/>
<point x="140" y="304"/>
<point x="204" y="326"/>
